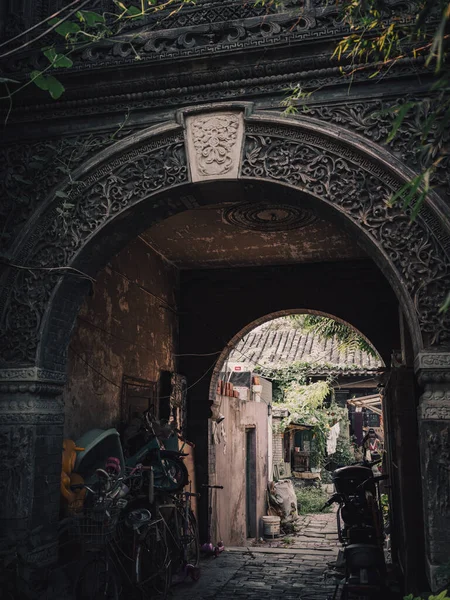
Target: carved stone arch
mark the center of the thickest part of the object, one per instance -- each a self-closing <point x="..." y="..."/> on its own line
<point x="353" y="177"/>
<point x="123" y="189"/>
<point x="266" y="319"/>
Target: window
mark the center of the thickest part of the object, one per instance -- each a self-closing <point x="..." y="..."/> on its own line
<point x="138" y="395"/>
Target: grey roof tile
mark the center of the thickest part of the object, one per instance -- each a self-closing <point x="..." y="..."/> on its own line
<point x="277" y="344"/>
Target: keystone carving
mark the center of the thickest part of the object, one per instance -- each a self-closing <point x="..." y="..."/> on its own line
<point x="214" y="145"/>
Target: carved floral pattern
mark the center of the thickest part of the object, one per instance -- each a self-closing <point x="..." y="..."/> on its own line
<point x="97" y="199"/>
<point x="438" y="446"/>
<point x="16" y="471"/>
<point x="214" y="139"/>
<point x="29" y="171"/>
<point x="361" y="190"/>
<point x="375" y="121"/>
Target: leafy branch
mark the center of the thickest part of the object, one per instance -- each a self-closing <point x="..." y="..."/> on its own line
<point x="378" y="39"/>
<point x="348" y="338"/>
<point x="76" y="30"/>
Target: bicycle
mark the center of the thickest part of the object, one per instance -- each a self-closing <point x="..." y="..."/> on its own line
<point x="94" y="527"/>
<point x="182" y="530"/>
<point x="120" y="537"/>
<point x="140" y="545"/>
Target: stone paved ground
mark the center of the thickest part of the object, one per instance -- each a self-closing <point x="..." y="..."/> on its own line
<point x="289" y="569"/>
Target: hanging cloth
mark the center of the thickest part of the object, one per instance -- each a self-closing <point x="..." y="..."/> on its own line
<point x="332" y="437"/>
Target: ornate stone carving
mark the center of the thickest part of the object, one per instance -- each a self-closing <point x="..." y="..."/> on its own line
<point x="22" y="406"/>
<point x="374" y="121"/>
<point x="192" y="87"/>
<point x="360" y="188"/>
<point x="435" y="461"/>
<point x="214" y="145"/>
<point x="432" y="360"/>
<point x="16" y="471"/>
<point x="193" y="33"/>
<point x="434" y="411"/>
<point x="433" y="368"/>
<point x="32" y="374"/>
<point x="98" y="198"/>
<point x="29" y="171"/>
<point x="331" y="170"/>
<point x="270" y="217"/>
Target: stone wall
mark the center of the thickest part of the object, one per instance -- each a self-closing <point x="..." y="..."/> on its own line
<point x="127" y="327"/>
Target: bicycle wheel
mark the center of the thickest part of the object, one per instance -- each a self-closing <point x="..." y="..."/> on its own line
<point x="190" y="537"/>
<point x="97" y="581"/>
<point x="171" y="475"/>
<point x="153" y="566"/>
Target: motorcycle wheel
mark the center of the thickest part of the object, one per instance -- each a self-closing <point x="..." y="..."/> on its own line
<point x="171" y="474"/>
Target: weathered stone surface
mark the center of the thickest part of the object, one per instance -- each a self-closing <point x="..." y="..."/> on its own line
<point x="214" y="144"/>
<point x="266" y="572"/>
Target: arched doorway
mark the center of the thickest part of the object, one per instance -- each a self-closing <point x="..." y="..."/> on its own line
<point x="146" y="178"/>
<point x="255" y="441"/>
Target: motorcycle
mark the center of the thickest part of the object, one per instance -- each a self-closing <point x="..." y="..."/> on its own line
<point x="360" y="530"/>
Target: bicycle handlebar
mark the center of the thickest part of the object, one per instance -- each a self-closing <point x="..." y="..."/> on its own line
<point x="212" y="487"/>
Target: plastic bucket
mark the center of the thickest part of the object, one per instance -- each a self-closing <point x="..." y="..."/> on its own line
<point x="271" y="526"/>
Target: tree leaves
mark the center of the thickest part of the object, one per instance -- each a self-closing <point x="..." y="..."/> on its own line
<point x="65" y="28"/>
<point x="57" y="60"/>
<point x="90" y="18"/>
<point x="401" y="111"/>
<point x="48" y="83"/>
<point x="347" y="338"/>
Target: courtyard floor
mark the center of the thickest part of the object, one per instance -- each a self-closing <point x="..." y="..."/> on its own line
<point x="288" y="568"/>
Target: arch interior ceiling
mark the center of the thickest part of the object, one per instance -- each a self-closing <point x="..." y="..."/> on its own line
<point x="263" y="225"/>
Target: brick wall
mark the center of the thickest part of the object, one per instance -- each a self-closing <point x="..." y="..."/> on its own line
<point x="127" y="327"/>
<point x="278" y="454"/>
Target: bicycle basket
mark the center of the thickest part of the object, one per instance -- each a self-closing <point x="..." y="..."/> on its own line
<point x="95" y="526"/>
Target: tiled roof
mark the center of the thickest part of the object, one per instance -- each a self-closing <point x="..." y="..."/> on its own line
<point x="277" y="344"/>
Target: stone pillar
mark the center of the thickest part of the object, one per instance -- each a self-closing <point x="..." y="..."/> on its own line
<point x="400" y="403"/>
<point x="433" y="371"/>
<point x="31" y="434"/>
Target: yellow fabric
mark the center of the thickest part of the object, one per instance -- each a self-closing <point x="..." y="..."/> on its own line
<point x="68" y="478"/>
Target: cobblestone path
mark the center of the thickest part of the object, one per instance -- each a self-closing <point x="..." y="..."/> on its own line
<point x="293" y="569"/>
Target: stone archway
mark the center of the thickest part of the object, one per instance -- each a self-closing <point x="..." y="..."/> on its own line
<point x="111" y="197"/>
<point x="341" y="170"/>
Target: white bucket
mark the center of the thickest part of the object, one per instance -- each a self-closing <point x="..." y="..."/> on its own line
<point x="271" y="526"/>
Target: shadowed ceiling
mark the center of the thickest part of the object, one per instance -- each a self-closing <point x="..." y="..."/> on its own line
<point x="249" y="225"/>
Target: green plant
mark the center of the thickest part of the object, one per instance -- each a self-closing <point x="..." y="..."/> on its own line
<point x="69" y="31"/>
<point x="311" y="500"/>
<point x="344" y="454"/>
<point x="325" y="476"/>
<point x="379" y="36"/>
<point x="442" y="596"/>
<point x="330" y="329"/>
<point x="288" y="541"/>
<point x="385" y="508"/>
